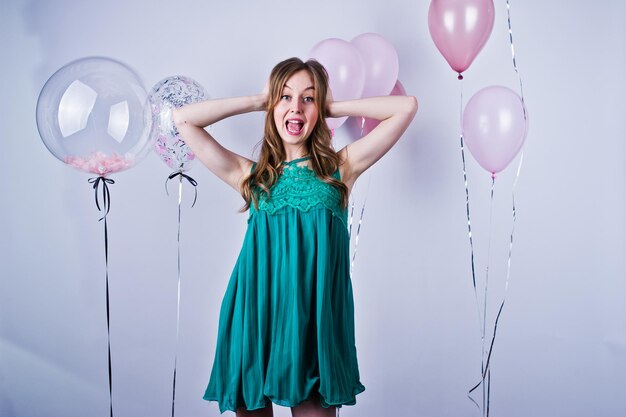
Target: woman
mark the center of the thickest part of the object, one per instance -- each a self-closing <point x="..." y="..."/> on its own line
<point x="286" y="331"/>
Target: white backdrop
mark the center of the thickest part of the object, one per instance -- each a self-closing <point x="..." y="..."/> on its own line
<point x="561" y="347"/>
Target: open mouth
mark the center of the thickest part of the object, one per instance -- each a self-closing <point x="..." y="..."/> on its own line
<point x="294" y="126"/>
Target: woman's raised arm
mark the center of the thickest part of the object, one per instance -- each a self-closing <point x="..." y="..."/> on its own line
<point x="395" y="114"/>
<point x="190" y="120"/>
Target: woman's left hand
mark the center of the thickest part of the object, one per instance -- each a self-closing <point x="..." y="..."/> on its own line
<point x="329" y="102"/>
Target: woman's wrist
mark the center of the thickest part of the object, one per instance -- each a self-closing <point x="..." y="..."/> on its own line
<point x="259" y="102"/>
<point x="331" y="108"/>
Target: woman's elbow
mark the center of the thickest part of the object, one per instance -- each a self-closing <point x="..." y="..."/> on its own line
<point x="412" y="105"/>
<point x="178" y="117"/>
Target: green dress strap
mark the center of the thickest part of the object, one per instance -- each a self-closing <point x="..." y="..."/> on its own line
<point x="295" y="161"/>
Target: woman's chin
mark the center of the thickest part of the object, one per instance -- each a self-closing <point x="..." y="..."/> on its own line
<point x="290" y="139"/>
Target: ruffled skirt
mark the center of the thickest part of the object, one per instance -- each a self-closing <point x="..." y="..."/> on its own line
<point x="286" y="329"/>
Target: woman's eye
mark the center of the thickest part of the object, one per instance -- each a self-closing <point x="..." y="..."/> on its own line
<point x="285" y="97"/>
<point x="308" y="99"/>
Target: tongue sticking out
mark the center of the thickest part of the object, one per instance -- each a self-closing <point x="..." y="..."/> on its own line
<point x="294" y="127"/>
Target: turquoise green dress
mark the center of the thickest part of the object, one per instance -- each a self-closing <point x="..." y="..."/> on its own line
<point x="286" y="329"/>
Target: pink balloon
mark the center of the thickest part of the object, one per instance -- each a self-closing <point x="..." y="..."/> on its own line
<point x="380" y="62"/>
<point x="460" y="29"/>
<point x="398" y="89"/>
<point x="346" y="75"/>
<point x="495" y="125"/>
<point x="360" y="126"/>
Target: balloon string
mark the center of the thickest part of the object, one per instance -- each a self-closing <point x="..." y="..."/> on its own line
<point x="106" y="205"/>
<point x="358" y="230"/>
<point x="485" y="362"/>
<point x="350" y="219"/>
<point x="487" y="368"/>
<point x="191" y="181"/>
<point x="488" y="390"/>
<point x="106" y="262"/>
<point x="486" y="375"/>
<point x="351" y="216"/>
<point x="467" y="205"/>
<point x="508" y="275"/>
<point x="471" y="242"/>
<point x="521" y="86"/>
<point x="485" y="353"/>
<point x="180" y="198"/>
<point x="356" y="239"/>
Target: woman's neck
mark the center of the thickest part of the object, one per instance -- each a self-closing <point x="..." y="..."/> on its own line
<point x="297" y="153"/>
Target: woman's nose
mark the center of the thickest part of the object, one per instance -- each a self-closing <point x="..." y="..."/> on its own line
<point x="296" y="106"/>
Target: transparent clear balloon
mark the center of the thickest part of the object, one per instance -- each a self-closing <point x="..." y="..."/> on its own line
<point x="92" y="114"/>
<point x="166" y="95"/>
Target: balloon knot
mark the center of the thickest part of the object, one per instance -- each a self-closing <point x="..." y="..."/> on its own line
<point x="460" y="77"/>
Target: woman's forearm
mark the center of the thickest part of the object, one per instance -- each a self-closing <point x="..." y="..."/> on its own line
<point x="379" y="108"/>
<point x="395" y="114"/>
<point x="191" y="120"/>
<point x="207" y="112"/>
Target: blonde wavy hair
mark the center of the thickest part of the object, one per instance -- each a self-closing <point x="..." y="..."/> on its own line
<point x="324" y="159"/>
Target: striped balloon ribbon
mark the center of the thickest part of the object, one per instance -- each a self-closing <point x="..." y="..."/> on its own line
<point x="193" y="182"/>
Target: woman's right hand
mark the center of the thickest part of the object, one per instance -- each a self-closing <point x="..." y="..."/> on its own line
<point x="265" y="95"/>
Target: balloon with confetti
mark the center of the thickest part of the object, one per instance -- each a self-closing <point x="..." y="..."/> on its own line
<point x="166" y="95"/>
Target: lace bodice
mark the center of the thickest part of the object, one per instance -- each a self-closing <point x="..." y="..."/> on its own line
<point x="299" y="187"/>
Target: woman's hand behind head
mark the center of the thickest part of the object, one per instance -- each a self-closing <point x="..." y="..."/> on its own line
<point x="329" y="101"/>
<point x="265" y="94"/>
